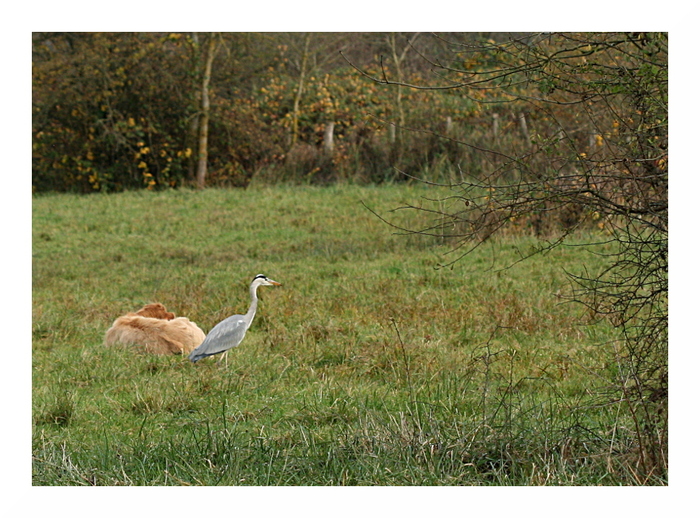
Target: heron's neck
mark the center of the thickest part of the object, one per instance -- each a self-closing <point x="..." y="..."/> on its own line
<point x="253" y="305"/>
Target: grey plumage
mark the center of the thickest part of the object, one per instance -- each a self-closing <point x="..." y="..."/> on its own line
<point x="229" y="333"/>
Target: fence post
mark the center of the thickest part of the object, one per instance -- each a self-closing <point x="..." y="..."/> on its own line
<point x="494" y="125"/>
<point x="448" y="125"/>
<point x="523" y="127"/>
<point x="328" y="138"/>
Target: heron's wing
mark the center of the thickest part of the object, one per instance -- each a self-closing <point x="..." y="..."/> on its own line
<point x="224" y="336"/>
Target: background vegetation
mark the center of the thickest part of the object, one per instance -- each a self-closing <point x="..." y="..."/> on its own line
<point x="123" y="110"/>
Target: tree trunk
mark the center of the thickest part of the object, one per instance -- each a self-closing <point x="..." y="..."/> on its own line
<point x="399" y="120"/>
<point x="204" y="117"/>
<point x="294" y="135"/>
<point x="398" y="61"/>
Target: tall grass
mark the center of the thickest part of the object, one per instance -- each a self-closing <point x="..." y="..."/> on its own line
<point x="369" y="366"/>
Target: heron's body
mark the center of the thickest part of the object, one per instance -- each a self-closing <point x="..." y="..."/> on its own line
<point x="229" y="333"/>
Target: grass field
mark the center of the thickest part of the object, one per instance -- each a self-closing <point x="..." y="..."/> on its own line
<point x="368" y="366"/>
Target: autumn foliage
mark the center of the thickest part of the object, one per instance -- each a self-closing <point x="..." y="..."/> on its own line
<point x="114" y="111"/>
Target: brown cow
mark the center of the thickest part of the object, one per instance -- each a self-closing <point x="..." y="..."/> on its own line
<point x="156" y="330"/>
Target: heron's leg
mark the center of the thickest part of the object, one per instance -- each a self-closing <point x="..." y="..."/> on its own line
<point x="223" y="356"/>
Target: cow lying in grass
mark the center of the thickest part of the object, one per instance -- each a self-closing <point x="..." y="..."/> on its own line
<point x="156" y="331"/>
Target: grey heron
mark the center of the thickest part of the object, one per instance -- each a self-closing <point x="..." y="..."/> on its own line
<point x="229" y="333"/>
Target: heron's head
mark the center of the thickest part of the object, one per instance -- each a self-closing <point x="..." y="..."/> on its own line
<point x="262" y="280"/>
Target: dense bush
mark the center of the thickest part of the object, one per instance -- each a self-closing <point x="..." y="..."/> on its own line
<point x="121" y="111"/>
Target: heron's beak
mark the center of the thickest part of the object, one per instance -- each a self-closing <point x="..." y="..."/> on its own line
<point x="275" y="283"/>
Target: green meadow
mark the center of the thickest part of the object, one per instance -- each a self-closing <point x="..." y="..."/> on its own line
<point x="371" y="365"/>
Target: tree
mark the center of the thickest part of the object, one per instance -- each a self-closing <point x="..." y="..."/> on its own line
<point x="204" y="114"/>
<point x="108" y="110"/>
<point x="398" y="56"/>
<point x="597" y="108"/>
<point x="307" y="54"/>
<point x="303" y="70"/>
<point x="115" y="111"/>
